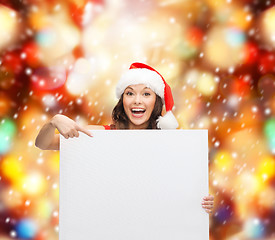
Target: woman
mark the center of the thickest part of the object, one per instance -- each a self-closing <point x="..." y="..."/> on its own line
<point x="142" y="92"/>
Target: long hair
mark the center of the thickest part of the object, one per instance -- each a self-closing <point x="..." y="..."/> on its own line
<point x="121" y="121"/>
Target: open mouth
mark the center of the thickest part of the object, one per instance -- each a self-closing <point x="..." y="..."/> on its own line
<point x="138" y="112"/>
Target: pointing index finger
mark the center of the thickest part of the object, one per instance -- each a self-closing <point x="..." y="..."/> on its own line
<point x="84" y="130"/>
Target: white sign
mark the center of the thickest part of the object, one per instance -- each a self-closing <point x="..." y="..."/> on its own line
<point x="134" y="185"/>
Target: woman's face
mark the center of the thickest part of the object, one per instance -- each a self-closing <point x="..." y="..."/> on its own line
<point x="138" y="103"/>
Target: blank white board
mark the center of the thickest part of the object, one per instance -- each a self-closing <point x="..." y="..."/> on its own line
<point x="134" y="185"/>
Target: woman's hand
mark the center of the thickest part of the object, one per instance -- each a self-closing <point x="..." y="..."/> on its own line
<point x="67" y="127"/>
<point x="208" y="203"/>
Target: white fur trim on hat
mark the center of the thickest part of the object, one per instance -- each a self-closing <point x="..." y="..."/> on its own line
<point x="144" y="76"/>
<point x="168" y="121"/>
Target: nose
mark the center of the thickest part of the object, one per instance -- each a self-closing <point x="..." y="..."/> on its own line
<point x="137" y="99"/>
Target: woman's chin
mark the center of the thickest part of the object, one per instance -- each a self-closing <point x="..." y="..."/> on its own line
<point x="138" y="124"/>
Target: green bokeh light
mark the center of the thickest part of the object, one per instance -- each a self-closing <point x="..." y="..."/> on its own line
<point x="269" y="130"/>
<point x="7" y="132"/>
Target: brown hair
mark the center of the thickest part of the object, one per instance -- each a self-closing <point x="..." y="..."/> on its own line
<point x="121" y="121"/>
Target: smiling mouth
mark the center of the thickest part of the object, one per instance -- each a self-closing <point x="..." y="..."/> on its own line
<point x="137" y="112"/>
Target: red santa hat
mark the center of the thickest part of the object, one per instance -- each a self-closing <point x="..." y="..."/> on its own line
<point x="140" y="73"/>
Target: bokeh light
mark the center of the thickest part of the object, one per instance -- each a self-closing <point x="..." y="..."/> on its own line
<point x="254" y="228"/>
<point x="81" y="77"/>
<point x="26" y="229"/>
<point x="231" y="44"/>
<point x="7" y="132"/>
<point x="270" y="133"/>
<point x="33" y="184"/>
<point x="9" y="26"/>
<point x="268" y="27"/>
<point x="12" y="168"/>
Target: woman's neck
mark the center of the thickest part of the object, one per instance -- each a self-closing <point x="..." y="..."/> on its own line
<point x="136" y="127"/>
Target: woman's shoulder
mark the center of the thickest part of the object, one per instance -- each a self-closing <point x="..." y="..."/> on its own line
<point x="95" y="127"/>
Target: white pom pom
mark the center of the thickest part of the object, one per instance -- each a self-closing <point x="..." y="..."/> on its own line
<point x="168" y="121"/>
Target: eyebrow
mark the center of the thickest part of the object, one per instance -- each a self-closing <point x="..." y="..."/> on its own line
<point x="129" y="87"/>
<point x="142" y="89"/>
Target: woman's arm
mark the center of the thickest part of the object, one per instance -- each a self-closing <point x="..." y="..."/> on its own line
<point x="48" y="140"/>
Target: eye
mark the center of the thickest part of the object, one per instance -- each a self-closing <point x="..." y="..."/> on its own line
<point x="147" y="94"/>
<point x="129" y="93"/>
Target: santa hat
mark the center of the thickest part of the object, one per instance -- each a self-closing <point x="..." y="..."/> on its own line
<point x="140" y="73"/>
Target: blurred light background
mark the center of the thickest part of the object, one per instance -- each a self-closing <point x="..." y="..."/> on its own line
<point x="66" y="56"/>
